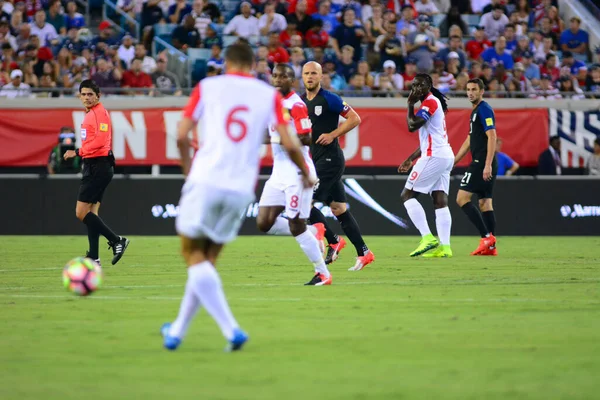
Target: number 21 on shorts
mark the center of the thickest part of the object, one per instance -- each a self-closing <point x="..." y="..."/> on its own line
<point x="465" y="180"/>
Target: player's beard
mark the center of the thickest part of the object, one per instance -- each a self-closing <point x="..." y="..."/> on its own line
<point x="312" y="87"/>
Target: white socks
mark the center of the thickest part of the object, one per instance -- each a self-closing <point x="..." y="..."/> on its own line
<point x="443" y="222"/>
<point x="281" y="227"/>
<point x="417" y="216"/>
<point x="204" y="282"/>
<point x="310" y="246"/>
<point x="189" y="306"/>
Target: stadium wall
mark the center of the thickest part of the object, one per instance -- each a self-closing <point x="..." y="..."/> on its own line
<point x="148" y="206"/>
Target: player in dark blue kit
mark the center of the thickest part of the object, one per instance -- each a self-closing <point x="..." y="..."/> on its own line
<point x="481" y="173"/>
<point x="324" y="110"/>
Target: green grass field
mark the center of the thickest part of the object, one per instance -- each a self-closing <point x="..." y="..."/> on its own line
<point x="524" y="325"/>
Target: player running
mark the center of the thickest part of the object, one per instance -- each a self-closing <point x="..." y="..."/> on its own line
<point x="481" y="174"/>
<point x="220" y="181"/>
<point x="324" y="110"/>
<point x="284" y="189"/>
<point x="431" y="173"/>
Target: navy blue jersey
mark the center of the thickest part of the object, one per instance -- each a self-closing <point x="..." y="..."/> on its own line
<point x="482" y="120"/>
<point x="324" y="112"/>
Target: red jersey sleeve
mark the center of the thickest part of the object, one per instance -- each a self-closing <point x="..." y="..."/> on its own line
<point x="280" y="114"/>
<point x="192" y="109"/>
<point x="299" y="114"/>
<point x="427" y="109"/>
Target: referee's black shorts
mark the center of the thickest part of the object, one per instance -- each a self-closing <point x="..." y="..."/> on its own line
<point x="330" y="187"/>
<point x="97" y="174"/>
<point x="473" y="182"/>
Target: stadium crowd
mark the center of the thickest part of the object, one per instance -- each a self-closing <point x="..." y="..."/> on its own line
<point x="520" y="48"/>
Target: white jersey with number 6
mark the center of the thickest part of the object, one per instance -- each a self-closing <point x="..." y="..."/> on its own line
<point x="233" y="111"/>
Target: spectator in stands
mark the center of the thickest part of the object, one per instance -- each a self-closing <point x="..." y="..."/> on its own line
<point x="525" y="85"/>
<point x="476" y="70"/>
<point x="506" y="165"/>
<point x="126" y="50"/>
<point x="300" y="16"/>
<point x="522" y="12"/>
<point x="55" y="18"/>
<point x="453" y="18"/>
<point x="543" y="50"/>
<point x="426" y="7"/>
<point x="186" y="36"/>
<point x="445" y="78"/>
<point x="513" y="88"/>
<point x="107" y="75"/>
<point x="498" y="54"/>
<point x="569" y="89"/>
<point x="297" y="60"/>
<point x="46" y="32"/>
<point x="178" y="10"/>
<point x="390" y="71"/>
<point x="348" y="33"/>
<point x="491" y="6"/>
<point x="375" y="25"/>
<point x="453" y="64"/>
<point x="420" y="45"/>
<point x="346" y="66"/>
<point x="337" y="81"/>
<point x="311" y="6"/>
<point x="277" y="53"/>
<point x="577" y="68"/>
<point x="213" y="11"/>
<point x="271" y="21"/>
<point x="365" y="71"/>
<point x="511" y="38"/>
<point x="245" y="24"/>
<point x="546" y="90"/>
<point x="8" y="59"/>
<point x="16" y="20"/>
<point x="203" y="19"/>
<point x="326" y="82"/>
<point x="6" y="37"/>
<point x="48" y="81"/>
<point x="410" y="72"/>
<point x="148" y="63"/>
<point x="263" y="72"/>
<point x="73" y="19"/>
<point x="385" y="88"/>
<point x="406" y="24"/>
<point x="56" y="162"/>
<point x="593" y="164"/>
<point x="64" y="60"/>
<point x="285" y="37"/>
<point x="165" y="81"/>
<point x="575" y="39"/>
<point x="329" y="19"/>
<point x="495" y="90"/>
<point x="5" y="10"/>
<point x="23" y="36"/>
<point x="556" y="23"/>
<point x="494" y="22"/>
<point x="216" y="60"/>
<point x="454" y="46"/>
<point x="549" y="162"/>
<point x="546" y="31"/>
<point x="136" y="78"/>
<point x="477" y="45"/>
<point x="550" y="67"/>
<point x="389" y="46"/>
<point x="523" y="45"/>
<point x="133" y="8"/>
<point x="357" y="87"/>
<point x="212" y="37"/>
<point x="29" y="77"/>
<point x="487" y="73"/>
<point x="592" y="83"/>
<point x="317" y="36"/>
<point x="461" y="84"/>
<point x="212" y="71"/>
<point x="318" y="55"/>
<point x="16" y="88"/>
<point x="105" y="35"/>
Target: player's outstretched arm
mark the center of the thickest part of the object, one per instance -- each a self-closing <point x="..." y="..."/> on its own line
<point x="463" y="150"/>
<point x="407" y="164"/>
<point x="183" y="143"/>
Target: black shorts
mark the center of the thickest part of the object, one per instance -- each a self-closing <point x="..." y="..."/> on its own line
<point x="473" y="182"/>
<point x="330" y="187"/>
<point x="97" y="174"/>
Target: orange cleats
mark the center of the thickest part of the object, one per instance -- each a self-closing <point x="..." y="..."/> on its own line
<point x="319" y="280"/>
<point x="320" y="235"/>
<point x="484" y="246"/>
<point x="363" y="261"/>
<point x="334" y="250"/>
<point x="490" y="251"/>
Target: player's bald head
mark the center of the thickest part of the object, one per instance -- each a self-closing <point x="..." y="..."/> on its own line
<point x="312" y="66"/>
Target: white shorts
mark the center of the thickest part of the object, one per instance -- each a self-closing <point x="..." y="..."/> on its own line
<point x="295" y="198"/>
<point x="208" y="212"/>
<point x="430" y="174"/>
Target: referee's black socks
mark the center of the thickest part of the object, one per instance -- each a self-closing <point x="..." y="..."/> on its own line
<point x="95" y="224"/>
<point x="316" y="216"/>
<point x="476" y="218"/>
<point x="351" y="229"/>
<point x="490" y="221"/>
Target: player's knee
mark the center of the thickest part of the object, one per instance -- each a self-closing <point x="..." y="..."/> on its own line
<point x="485" y="205"/>
<point x="440" y="202"/>
<point x="337" y="208"/>
<point x="406" y="195"/>
<point x="462" y="199"/>
<point x="263" y="224"/>
<point x="81" y="212"/>
<point x="297" y="226"/>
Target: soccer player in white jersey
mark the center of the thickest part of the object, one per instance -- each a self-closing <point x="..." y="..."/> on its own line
<point x="431" y="174"/>
<point x="284" y="191"/>
<point x="233" y="111"/>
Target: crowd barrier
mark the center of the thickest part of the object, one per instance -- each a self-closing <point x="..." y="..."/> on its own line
<point x="148" y="206"/>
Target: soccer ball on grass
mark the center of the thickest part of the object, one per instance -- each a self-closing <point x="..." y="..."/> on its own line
<point x="82" y="276"/>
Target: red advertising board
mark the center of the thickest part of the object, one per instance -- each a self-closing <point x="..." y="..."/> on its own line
<point x="147" y="136"/>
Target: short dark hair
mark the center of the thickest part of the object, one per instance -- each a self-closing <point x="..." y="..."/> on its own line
<point x="476" y="81"/>
<point x="553" y="138"/>
<point x="288" y="70"/>
<point x="509" y="26"/>
<point x="240" y="53"/>
<point x="89" y="84"/>
<point x="549" y="56"/>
